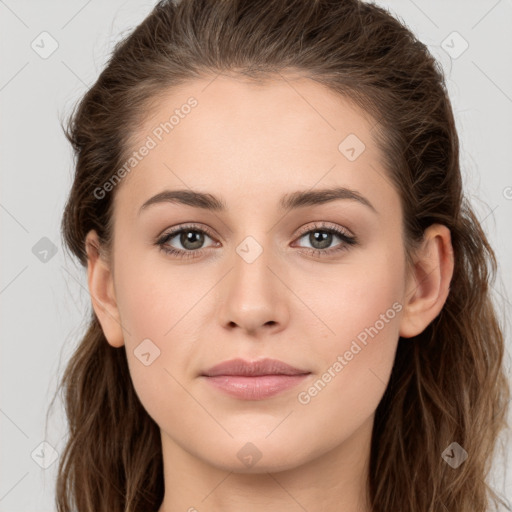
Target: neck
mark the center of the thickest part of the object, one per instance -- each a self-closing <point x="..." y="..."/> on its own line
<point x="330" y="481"/>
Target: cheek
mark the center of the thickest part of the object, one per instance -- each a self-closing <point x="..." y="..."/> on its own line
<point x="157" y="344"/>
<point x="153" y="312"/>
<point x="353" y="297"/>
<point x="152" y="300"/>
<point x="363" y="315"/>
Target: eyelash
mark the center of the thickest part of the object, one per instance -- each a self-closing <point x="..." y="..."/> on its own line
<point x="348" y="241"/>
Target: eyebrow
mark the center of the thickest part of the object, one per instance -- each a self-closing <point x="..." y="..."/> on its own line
<point x="289" y="201"/>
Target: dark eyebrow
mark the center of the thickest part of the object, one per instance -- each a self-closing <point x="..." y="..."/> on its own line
<point x="321" y="196"/>
<point x="187" y="197"/>
<point x="290" y="201"/>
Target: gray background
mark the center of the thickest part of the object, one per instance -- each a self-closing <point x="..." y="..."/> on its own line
<point x="44" y="295"/>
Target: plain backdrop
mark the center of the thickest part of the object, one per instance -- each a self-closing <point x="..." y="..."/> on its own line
<point x="51" y="52"/>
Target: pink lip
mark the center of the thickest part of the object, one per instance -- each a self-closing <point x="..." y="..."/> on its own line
<point x="254" y="380"/>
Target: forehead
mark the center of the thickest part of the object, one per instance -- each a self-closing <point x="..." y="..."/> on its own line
<point x="228" y="134"/>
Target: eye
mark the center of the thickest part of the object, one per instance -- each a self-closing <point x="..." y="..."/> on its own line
<point x="321" y="237"/>
<point x="192" y="239"/>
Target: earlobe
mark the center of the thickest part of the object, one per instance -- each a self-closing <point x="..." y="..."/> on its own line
<point x="101" y="289"/>
<point x="429" y="284"/>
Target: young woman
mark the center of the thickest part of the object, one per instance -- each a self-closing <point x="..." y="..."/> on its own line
<point x="291" y="294"/>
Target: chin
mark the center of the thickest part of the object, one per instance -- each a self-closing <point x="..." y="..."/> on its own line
<point x="253" y="457"/>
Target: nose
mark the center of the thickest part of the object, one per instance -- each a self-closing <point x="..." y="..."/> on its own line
<point x="253" y="295"/>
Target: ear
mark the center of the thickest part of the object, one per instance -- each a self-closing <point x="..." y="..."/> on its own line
<point x="429" y="283"/>
<point x="101" y="288"/>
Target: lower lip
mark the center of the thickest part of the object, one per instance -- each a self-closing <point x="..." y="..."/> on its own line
<point x="255" y="388"/>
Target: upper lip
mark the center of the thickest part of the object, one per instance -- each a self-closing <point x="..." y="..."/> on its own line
<point x="253" y="368"/>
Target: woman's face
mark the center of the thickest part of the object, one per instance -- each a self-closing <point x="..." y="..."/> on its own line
<point x="254" y="280"/>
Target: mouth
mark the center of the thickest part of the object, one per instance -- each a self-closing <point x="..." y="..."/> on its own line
<point x="254" y="380"/>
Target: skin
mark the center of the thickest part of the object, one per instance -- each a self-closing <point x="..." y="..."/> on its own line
<point x="249" y="144"/>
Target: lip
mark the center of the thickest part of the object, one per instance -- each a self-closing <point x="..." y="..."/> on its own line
<point x="257" y="368"/>
<point x="254" y="380"/>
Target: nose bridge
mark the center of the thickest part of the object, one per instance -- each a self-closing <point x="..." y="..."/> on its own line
<point x="255" y="248"/>
<point x="252" y="295"/>
<point x="251" y="274"/>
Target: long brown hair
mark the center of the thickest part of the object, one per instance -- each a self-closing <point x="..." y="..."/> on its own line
<point x="447" y="385"/>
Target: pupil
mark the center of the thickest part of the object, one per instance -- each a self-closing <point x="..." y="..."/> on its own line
<point x="187" y="238"/>
<point x="325" y="239"/>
